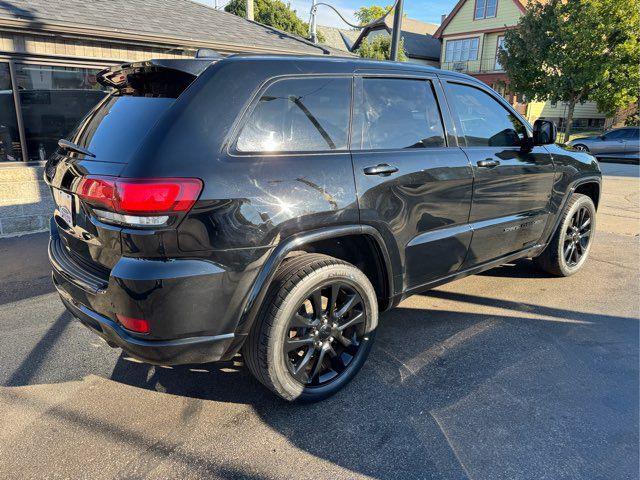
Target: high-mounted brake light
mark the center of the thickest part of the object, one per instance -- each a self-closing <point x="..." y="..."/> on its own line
<point x="139" y="202"/>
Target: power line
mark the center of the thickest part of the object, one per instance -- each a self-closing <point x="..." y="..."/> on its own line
<point x="314" y="8"/>
<point x="395" y="34"/>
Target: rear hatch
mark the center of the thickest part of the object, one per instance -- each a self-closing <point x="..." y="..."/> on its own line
<point x="84" y="171"/>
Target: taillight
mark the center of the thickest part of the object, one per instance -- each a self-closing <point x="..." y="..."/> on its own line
<point x="139" y="202"/>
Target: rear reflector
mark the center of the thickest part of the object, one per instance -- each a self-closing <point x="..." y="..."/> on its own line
<point x="140" y="197"/>
<point x="134" y="324"/>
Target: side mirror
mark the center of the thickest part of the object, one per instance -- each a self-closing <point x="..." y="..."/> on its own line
<point x="545" y="132"/>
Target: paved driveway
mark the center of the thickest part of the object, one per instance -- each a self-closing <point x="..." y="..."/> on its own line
<point x="505" y="375"/>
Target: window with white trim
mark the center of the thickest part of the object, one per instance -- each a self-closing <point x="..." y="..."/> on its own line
<point x="462" y="50"/>
<point x="485" y="9"/>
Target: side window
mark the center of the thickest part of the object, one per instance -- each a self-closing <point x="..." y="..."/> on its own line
<point x="485" y="122"/>
<point x="615" y="135"/>
<point x="395" y="114"/>
<point x="299" y="115"/>
<point x="633" y="134"/>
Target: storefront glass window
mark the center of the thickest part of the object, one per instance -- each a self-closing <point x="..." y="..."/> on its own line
<point x="9" y="136"/>
<point x="54" y="99"/>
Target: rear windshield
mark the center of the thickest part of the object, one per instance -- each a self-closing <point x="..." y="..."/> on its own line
<point x="141" y="93"/>
<point x="114" y="130"/>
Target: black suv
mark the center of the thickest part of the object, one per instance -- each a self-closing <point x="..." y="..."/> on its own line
<point x="273" y="205"/>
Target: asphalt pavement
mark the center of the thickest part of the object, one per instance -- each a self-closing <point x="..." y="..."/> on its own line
<point x="511" y="374"/>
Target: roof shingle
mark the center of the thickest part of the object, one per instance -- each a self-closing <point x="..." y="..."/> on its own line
<point x="175" y="20"/>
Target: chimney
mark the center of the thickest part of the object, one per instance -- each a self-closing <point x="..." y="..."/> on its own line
<point x="443" y="17"/>
<point x="250" y="10"/>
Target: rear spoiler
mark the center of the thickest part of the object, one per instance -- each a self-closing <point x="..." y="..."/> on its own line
<point x="119" y="76"/>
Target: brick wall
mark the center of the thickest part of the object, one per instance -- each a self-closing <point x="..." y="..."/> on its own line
<point x="25" y="200"/>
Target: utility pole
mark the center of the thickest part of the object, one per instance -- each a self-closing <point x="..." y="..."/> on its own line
<point x="312" y="24"/>
<point x="250" y="10"/>
<point x="397" y="28"/>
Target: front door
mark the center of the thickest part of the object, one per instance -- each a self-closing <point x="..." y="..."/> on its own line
<point x="513" y="184"/>
<point x="413" y="185"/>
<point x="613" y="143"/>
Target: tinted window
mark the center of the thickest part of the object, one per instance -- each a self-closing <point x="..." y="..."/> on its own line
<point x="397" y="113"/>
<point x="114" y="130"/>
<point x="616" y="135"/>
<point x="485" y="122"/>
<point x="633" y="134"/>
<point x="299" y="115"/>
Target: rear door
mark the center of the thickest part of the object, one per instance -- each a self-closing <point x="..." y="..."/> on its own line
<point x="414" y="184"/>
<point x="632" y="144"/>
<point x="513" y="184"/>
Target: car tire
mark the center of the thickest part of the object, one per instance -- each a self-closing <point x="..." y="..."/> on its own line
<point x="330" y="351"/>
<point x="570" y="245"/>
<point x="581" y="148"/>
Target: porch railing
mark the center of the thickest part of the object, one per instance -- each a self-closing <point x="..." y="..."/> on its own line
<point x="485" y="65"/>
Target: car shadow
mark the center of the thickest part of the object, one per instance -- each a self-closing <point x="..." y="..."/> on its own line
<point x="428" y="371"/>
<point x="522" y="268"/>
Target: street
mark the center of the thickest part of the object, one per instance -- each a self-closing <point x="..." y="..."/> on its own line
<point x="511" y="374"/>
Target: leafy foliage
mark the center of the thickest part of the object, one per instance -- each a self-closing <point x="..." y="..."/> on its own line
<point x="576" y="51"/>
<point x="274" y="13"/>
<point x="379" y="48"/>
<point x="633" y="120"/>
<point x="369" y="14"/>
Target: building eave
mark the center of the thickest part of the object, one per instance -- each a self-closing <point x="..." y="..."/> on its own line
<point x="477" y="32"/>
<point x="88" y="31"/>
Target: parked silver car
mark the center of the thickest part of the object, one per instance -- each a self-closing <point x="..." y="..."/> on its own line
<point x="618" y="143"/>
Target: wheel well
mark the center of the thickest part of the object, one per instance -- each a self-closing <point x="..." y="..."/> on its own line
<point x="591" y="190"/>
<point x="361" y="251"/>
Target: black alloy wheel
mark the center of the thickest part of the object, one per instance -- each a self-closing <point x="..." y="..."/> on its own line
<point x="325" y="334"/>
<point x="577" y="236"/>
<point x="569" y="247"/>
<point x="316" y="330"/>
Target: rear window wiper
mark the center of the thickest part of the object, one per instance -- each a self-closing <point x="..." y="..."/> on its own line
<point x="67" y="145"/>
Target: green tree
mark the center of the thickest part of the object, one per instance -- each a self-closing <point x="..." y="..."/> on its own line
<point x="379" y="48"/>
<point x="633" y="120"/>
<point x="369" y="14"/>
<point x="275" y="13"/>
<point x="576" y="51"/>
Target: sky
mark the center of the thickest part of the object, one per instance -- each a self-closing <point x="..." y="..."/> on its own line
<point x="425" y="10"/>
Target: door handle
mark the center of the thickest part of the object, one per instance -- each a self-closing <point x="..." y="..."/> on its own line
<point x="381" y="169"/>
<point x="488" y="163"/>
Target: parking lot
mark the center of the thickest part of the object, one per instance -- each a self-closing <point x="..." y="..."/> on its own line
<point x="511" y="374"/>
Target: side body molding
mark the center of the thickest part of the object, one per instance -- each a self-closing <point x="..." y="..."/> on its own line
<point x="263" y="280"/>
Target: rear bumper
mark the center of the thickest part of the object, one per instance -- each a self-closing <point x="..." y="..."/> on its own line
<point x="185" y="302"/>
<point x="158" y="352"/>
